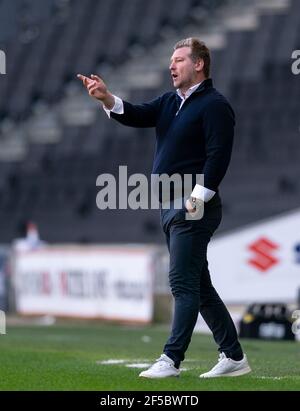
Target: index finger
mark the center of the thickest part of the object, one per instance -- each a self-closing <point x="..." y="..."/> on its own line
<point x="83" y="78"/>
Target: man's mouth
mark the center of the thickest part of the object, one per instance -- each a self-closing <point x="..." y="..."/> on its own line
<point x="174" y="76"/>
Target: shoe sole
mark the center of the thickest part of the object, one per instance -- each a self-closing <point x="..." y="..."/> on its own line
<point x="152" y="377"/>
<point x="230" y="374"/>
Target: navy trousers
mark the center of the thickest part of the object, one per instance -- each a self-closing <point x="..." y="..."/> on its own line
<point x="191" y="284"/>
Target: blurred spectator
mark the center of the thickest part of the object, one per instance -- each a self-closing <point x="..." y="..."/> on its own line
<point x="32" y="240"/>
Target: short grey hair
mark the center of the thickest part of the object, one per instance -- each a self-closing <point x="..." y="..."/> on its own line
<point x="199" y="50"/>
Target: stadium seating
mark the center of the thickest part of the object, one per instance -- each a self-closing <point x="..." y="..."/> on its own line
<point x="55" y="141"/>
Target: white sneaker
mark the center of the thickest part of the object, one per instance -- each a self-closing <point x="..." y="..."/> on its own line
<point x="162" y="368"/>
<point x="227" y="367"/>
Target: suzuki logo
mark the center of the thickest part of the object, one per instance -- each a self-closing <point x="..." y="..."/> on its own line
<point x="263" y="249"/>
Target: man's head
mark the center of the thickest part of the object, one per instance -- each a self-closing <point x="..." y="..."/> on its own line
<point x="190" y="63"/>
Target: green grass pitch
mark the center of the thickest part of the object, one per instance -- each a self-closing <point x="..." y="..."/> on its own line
<point x="68" y="356"/>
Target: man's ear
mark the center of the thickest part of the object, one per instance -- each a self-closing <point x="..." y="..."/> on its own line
<point x="199" y="65"/>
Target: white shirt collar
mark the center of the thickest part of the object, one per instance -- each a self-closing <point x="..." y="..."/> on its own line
<point x="188" y="92"/>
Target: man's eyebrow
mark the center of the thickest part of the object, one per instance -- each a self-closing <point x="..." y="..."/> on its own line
<point x="177" y="57"/>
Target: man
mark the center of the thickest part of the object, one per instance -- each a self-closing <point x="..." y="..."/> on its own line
<point x="194" y="130"/>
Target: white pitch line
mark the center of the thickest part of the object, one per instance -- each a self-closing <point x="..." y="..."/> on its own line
<point x="263" y="377"/>
<point x="111" y="362"/>
<point x="145" y="363"/>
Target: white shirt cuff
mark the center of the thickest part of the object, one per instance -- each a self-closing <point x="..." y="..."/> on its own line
<point x="118" y="108"/>
<point x="202" y="193"/>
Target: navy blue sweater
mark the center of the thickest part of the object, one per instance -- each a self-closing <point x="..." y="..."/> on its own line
<point x="198" y="140"/>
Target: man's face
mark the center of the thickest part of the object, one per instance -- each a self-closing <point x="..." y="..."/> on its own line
<point x="184" y="71"/>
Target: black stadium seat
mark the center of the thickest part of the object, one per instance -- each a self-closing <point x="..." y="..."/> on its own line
<point x="55" y="183"/>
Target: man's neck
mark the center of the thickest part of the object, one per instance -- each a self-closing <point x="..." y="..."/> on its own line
<point x="197" y="82"/>
<point x="185" y="92"/>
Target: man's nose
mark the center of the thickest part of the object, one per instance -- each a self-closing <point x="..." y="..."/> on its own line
<point x="172" y="66"/>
